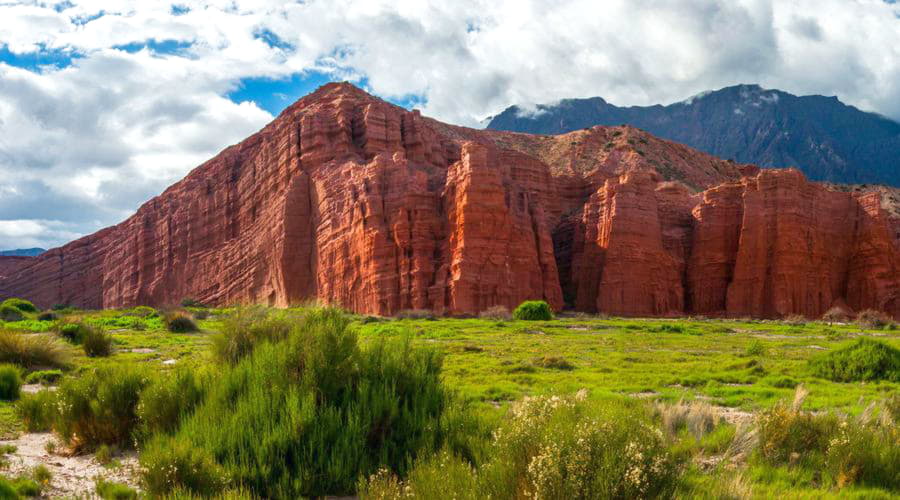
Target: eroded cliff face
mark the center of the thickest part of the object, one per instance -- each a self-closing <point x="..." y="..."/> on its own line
<point x="349" y="200"/>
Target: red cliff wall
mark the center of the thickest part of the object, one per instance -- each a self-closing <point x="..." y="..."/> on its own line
<point x="349" y="200"/>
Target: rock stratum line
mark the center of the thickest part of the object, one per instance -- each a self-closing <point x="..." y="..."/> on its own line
<point x="347" y="199"/>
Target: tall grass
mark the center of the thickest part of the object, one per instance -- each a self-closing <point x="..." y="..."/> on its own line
<point x="32" y="351"/>
<point x="249" y="326"/>
<point x="305" y="416"/>
<point x="10" y="382"/>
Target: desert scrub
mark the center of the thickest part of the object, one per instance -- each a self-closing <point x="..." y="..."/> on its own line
<point x="865" y="451"/>
<point x="533" y="310"/>
<point x="20" y="304"/>
<point x="871" y="318"/>
<point x="863" y="360"/>
<point x="44" y="377"/>
<point x="169" y="399"/>
<point x="10" y="314"/>
<point x="32" y="351"/>
<point x="415" y="314"/>
<point x="108" y="490"/>
<point x="36" y="411"/>
<point x="306" y="416"/>
<point x="100" y="407"/>
<point x="72" y="331"/>
<point x="96" y="343"/>
<point x="180" y="322"/>
<point x="249" y="326"/>
<point x="10" y="382"/>
<point x="550" y="447"/>
<point x="836" y="315"/>
<point x="788" y="435"/>
<point x="498" y="313"/>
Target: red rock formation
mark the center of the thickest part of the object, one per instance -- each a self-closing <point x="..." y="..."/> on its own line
<point x="350" y="200"/>
<point x="10" y="263"/>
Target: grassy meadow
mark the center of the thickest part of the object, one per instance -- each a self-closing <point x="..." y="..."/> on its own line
<point x="308" y="401"/>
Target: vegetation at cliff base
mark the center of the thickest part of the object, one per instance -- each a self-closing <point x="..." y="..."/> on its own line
<point x="306" y="401"/>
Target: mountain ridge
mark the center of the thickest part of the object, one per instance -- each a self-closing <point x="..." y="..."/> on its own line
<point x="352" y="201"/>
<point x="824" y="138"/>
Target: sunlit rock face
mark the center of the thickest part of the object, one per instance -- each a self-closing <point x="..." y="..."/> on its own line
<point x="349" y="200"/>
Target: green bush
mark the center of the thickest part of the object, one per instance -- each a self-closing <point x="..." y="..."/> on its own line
<point x="20" y="304"/>
<point x="533" y="310"/>
<point x="306" y="416"/>
<point x="863" y="360"/>
<point x="245" y="328"/>
<point x="108" y="490"/>
<point x="180" y="322"/>
<point x="26" y="487"/>
<point x="549" y="447"/>
<point x="100" y="407"/>
<point x="169" y="399"/>
<point x="44" y="377"/>
<point x="10" y="313"/>
<point x="10" y="382"/>
<point x="37" y="410"/>
<point x="144" y="312"/>
<point x="7" y="490"/>
<point x="47" y="316"/>
<point x="73" y="332"/>
<point x="96" y="343"/>
<point x="32" y="351"/>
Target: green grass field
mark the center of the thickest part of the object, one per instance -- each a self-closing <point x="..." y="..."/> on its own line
<point x="748" y="366"/>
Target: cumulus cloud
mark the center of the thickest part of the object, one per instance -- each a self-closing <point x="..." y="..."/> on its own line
<point x="138" y="92"/>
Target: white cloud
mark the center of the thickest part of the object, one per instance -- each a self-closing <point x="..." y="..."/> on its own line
<point x="86" y="144"/>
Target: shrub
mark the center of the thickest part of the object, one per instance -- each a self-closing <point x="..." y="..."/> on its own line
<point x="44" y="377"/>
<point x="190" y="302"/>
<point x="871" y="318"/>
<point x="10" y="382"/>
<point x="96" y="343"/>
<point x="245" y="328"/>
<point x="168" y="400"/>
<point x="26" y="487"/>
<point x="836" y="315"/>
<point x="10" y="314"/>
<point x="73" y="332"/>
<point x="36" y="410"/>
<point x="863" y="360"/>
<point x="795" y="320"/>
<point x="180" y="322"/>
<point x="553" y="363"/>
<point x="415" y="314"/>
<point x="533" y="310"/>
<point x="20" y="304"/>
<point x="498" y="313"/>
<point x="305" y="416"/>
<point x="864" y="453"/>
<point x="756" y="349"/>
<point x="144" y="312"/>
<point x="47" y="316"/>
<point x="697" y="417"/>
<point x="7" y="491"/>
<point x="109" y="490"/>
<point x="100" y="407"/>
<point x="32" y="351"/>
<point x="788" y="434"/>
<point x="549" y="447"/>
<point x="41" y="475"/>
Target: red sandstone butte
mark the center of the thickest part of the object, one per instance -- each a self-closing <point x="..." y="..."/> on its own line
<point x="350" y="200"/>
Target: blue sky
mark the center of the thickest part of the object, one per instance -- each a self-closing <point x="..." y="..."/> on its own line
<point x="104" y="104"/>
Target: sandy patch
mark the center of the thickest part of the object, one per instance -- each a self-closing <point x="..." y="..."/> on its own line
<point x="72" y="476"/>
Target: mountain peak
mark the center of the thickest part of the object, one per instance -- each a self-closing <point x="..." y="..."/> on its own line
<point x="825" y="138"/>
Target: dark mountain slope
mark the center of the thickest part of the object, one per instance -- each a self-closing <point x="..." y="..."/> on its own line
<point x="825" y="138"/>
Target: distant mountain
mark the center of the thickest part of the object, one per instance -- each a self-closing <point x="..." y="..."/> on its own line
<point x="825" y="138"/>
<point x="22" y="252"/>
